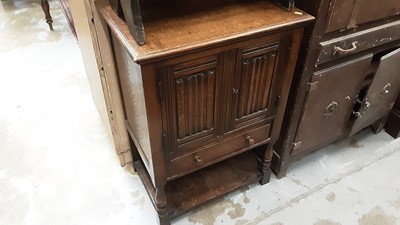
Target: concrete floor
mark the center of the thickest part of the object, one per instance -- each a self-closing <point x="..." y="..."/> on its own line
<point x="57" y="162"/>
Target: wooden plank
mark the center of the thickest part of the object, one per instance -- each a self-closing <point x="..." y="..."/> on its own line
<point x="102" y="77"/>
<point x="110" y="84"/>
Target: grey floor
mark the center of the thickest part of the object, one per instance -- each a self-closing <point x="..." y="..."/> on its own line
<point x="57" y="162"/>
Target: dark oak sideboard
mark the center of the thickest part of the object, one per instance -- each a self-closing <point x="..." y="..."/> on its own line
<point x="347" y="77"/>
<point x="209" y="85"/>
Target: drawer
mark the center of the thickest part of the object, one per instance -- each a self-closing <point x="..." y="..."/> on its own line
<point x="345" y="14"/>
<point x="370" y="10"/>
<point x="357" y="42"/>
<point x="219" y="151"/>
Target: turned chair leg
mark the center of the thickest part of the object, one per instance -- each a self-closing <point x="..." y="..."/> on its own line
<point x="46" y="10"/>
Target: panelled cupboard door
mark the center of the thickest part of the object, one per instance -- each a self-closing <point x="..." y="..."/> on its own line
<point x="227" y="94"/>
<point x="190" y="102"/>
<point x="330" y="102"/>
<point x="254" y="84"/>
<point x="350" y="13"/>
<point x="382" y="92"/>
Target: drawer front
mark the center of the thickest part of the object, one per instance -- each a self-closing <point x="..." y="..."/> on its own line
<point x="339" y="15"/>
<point x="370" y="10"/>
<point x="357" y="42"/>
<point x="219" y="151"/>
<point x="345" y="14"/>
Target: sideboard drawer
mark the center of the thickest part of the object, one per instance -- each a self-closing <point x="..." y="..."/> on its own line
<point x="219" y="151"/>
<point x="370" y="10"/>
<point x="344" y="14"/>
<point x="357" y="42"/>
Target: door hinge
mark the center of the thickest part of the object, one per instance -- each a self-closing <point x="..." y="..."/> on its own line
<point x="312" y="86"/>
<point x="296" y="146"/>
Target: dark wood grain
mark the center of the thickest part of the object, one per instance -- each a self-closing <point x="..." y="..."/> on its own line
<point x="338" y="24"/>
<point x="318" y="124"/>
<point x="257" y="68"/>
<point x="371" y="10"/>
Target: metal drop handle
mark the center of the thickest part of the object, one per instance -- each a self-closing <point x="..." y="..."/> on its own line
<point x="341" y="51"/>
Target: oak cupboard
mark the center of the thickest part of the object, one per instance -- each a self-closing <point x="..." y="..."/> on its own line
<point x="205" y="96"/>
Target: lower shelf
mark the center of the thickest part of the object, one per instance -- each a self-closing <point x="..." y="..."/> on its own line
<point x="213" y="182"/>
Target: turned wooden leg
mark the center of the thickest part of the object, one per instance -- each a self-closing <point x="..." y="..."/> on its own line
<point x="46" y="10"/>
<point x="161" y="206"/>
<point x="266" y="164"/>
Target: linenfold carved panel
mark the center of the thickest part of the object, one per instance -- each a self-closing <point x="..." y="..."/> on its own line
<point x="256" y="69"/>
<point x="195" y="102"/>
<point x="256" y="76"/>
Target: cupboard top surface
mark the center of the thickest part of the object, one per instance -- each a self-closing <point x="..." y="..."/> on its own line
<point x="180" y="30"/>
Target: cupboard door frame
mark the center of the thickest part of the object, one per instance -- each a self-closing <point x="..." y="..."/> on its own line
<point x="190" y="74"/>
<point x="382" y="93"/>
<point x="256" y="65"/>
<point x="326" y="118"/>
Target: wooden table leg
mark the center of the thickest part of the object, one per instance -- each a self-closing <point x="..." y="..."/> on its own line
<point x="46" y="10"/>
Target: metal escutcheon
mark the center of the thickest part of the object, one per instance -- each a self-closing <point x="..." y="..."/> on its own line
<point x="331" y="108"/>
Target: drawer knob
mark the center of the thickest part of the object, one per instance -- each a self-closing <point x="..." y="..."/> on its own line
<point x="198" y="160"/>
<point x="341" y="51"/>
<point x="250" y="140"/>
